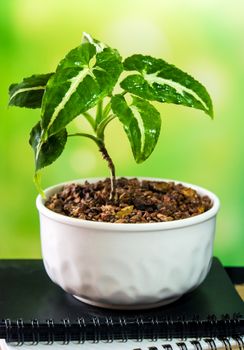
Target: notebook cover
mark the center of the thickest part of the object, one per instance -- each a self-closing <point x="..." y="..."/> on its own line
<point x="27" y="293"/>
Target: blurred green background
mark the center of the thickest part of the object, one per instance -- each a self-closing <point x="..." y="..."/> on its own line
<point x="204" y="38"/>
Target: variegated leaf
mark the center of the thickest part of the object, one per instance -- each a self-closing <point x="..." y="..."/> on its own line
<point x="87" y="74"/>
<point x="141" y="122"/>
<point x="46" y="153"/>
<point x="159" y="81"/>
<point x="29" y="92"/>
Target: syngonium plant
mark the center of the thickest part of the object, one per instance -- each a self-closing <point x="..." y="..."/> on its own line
<point x="86" y="78"/>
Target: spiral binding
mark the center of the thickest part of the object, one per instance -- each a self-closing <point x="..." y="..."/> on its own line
<point x="35" y="332"/>
<point x="108" y="329"/>
<point x="82" y="330"/>
<point x="212" y="344"/>
<point x="123" y="324"/>
<point x="197" y="344"/>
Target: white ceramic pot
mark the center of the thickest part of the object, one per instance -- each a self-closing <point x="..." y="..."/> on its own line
<point x="127" y="266"/>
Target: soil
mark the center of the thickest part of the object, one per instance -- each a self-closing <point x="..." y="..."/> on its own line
<point x="137" y="201"/>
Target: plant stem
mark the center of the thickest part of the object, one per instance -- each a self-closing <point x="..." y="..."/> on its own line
<point x="106" y="156"/>
<point x="89" y="119"/>
<point x="106" y="110"/>
<point x="111" y="166"/>
<point x="103" y="124"/>
<point x="94" y="138"/>
<point x="99" y="114"/>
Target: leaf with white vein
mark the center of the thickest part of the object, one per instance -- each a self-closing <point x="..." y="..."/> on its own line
<point x="46" y="153"/>
<point x="29" y="92"/>
<point x="87" y="74"/>
<point x="141" y="122"/>
<point x="160" y="81"/>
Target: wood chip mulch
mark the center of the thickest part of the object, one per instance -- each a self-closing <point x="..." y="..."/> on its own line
<point x="137" y="201"/>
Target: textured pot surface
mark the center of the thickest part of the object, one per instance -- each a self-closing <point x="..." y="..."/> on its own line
<point x="127" y="265"/>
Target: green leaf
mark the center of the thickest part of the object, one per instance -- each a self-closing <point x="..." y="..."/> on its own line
<point x="29" y="92"/>
<point x="160" y="81"/>
<point x="87" y="74"/>
<point x="46" y="152"/>
<point x="141" y="122"/>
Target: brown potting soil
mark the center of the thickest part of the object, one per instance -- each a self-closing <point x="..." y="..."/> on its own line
<point x="136" y="201"/>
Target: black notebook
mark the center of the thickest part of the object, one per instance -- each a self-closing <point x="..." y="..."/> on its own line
<point x="33" y="309"/>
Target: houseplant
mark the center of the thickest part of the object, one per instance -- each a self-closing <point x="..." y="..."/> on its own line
<point x="116" y="264"/>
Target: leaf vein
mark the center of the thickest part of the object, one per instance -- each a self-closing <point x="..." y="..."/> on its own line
<point x="75" y="82"/>
<point x="180" y="89"/>
<point x="33" y="88"/>
<point x="141" y="127"/>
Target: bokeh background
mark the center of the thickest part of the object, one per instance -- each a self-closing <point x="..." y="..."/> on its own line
<point x="204" y="38"/>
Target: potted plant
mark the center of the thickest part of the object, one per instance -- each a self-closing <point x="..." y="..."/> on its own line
<point x="118" y="242"/>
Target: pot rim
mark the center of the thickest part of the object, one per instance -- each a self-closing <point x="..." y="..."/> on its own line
<point x="111" y="226"/>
